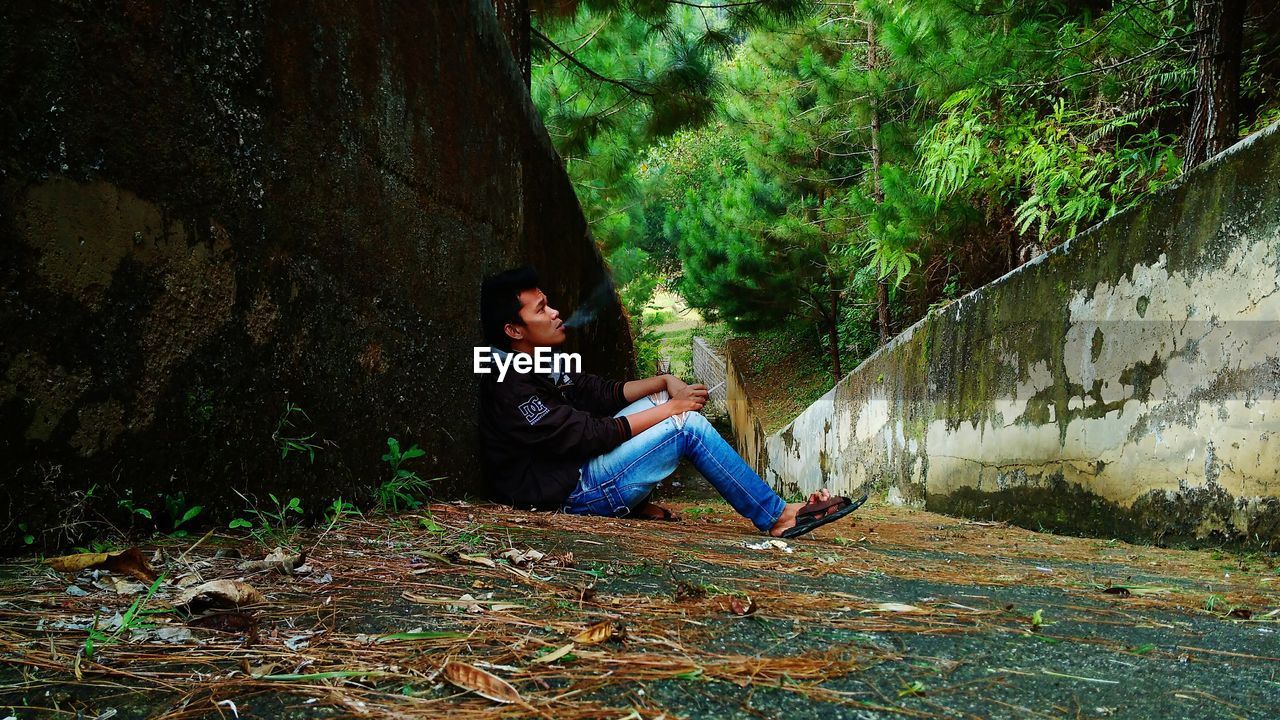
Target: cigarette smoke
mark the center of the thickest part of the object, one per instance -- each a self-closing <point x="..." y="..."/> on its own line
<point x="597" y="301"/>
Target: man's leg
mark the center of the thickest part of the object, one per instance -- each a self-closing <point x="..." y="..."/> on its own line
<point x="618" y="481"/>
<point x="731" y="476"/>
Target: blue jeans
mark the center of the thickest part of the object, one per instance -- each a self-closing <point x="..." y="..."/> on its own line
<point x="617" y="482"/>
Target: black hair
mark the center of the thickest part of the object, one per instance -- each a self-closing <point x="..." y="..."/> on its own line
<point x="500" y="303"/>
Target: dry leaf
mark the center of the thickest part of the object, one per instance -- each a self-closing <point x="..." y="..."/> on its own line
<point x="128" y="562"/>
<point x="554" y="655"/>
<point x="229" y="622"/>
<point x="598" y="633"/>
<point x="279" y="559"/>
<point x="519" y="559"/>
<point x="219" y="593"/>
<point x="484" y="684"/>
<point x="742" y="607"/>
<point x="565" y="560"/>
<point x="186" y="581"/>
<point x="478" y="560"/>
<point x="120" y="586"/>
<point x="467" y="603"/>
<point x="893" y="607"/>
<point x="257" y="671"/>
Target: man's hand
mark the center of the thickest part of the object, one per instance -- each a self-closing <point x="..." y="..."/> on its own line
<point x="688" y="397"/>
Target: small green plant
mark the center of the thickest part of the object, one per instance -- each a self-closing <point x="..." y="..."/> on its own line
<point x="131" y="620"/>
<point x="1037" y="620"/>
<point x="278" y="515"/>
<point x="340" y="509"/>
<point x="912" y="689"/>
<point x="405" y="487"/>
<point x="286" y="434"/>
<point x="429" y="524"/>
<point x="127" y="503"/>
<point x="276" y="525"/>
<point x="1213" y="602"/>
<point x="200" y="406"/>
<point x="180" y="513"/>
<point x="96" y="546"/>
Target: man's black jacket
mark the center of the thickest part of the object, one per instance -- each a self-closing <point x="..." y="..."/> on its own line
<point x="537" y="433"/>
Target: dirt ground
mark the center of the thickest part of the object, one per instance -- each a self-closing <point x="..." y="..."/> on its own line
<point x="898" y="613"/>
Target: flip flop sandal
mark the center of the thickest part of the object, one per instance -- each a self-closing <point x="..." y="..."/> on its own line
<point x="815" y="515"/>
<point x="667" y="515"/>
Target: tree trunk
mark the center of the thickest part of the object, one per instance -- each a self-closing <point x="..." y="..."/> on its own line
<point x="1214" y="113"/>
<point x="877" y="189"/>
<point x="513" y="17"/>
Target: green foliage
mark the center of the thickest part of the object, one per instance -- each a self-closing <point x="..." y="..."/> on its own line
<point x="180" y="513"/>
<point x="339" y="510"/>
<point x="199" y="406"/>
<point x="405" y="488"/>
<point x="1002" y="129"/>
<point x="287" y="436"/>
<point x="1043" y="163"/>
<point x="276" y="525"/>
<point x="648" y="345"/>
<point x="127" y="503"/>
<point x="912" y="689"/>
<point x="132" y="619"/>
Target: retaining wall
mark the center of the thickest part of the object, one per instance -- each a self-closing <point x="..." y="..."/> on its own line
<point x="1125" y="384"/>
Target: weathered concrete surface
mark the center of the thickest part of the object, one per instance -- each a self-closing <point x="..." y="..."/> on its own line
<point x="894" y="613"/>
<point x="748" y="432"/>
<point x="1125" y="384"/>
<point x="209" y="211"/>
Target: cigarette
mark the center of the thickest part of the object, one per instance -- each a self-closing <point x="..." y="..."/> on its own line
<point x="718" y="386"/>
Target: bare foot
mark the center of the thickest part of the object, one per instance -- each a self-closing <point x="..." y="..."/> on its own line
<point x="787" y="520"/>
<point x="650" y="511"/>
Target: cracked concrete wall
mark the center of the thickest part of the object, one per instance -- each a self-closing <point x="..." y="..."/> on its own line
<point x="1124" y="385"/>
<point x="211" y="212"/>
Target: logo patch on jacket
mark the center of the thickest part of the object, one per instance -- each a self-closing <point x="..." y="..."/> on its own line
<point x="533" y="409"/>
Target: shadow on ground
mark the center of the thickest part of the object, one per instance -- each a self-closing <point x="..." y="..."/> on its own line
<point x="898" y="614"/>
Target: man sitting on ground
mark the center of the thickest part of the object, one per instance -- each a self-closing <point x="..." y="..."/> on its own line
<point x="591" y="446"/>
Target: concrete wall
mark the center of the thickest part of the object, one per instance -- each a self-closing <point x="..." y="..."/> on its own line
<point x="1124" y="385"/>
<point x="749" y="436"/>
<point x="210" y="210"/>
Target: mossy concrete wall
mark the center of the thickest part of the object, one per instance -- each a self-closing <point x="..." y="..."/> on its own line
<point x="748" y="432"/>
<point x="211" y="210"/>
<point x="1124" y="385"/>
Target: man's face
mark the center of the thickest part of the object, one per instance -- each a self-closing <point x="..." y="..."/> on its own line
<point x="542" y="325"/>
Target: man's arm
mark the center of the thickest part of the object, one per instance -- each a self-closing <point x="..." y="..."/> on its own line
<point x="636" y="389"/>
<point x="689" y="397"/>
